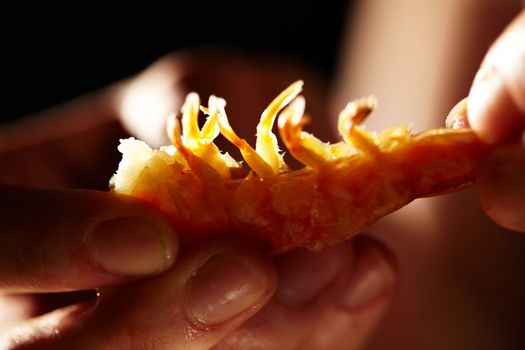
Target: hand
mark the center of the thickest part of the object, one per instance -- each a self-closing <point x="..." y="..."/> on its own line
<point x="333" y="299"/>
<point x="248" y="83"/>
<point x="218" y="293"/>
<point x="209" y="292"/>
<point x="74" y="241"/>
<point x="496" y="110"/>
<point x="58" y="246"/>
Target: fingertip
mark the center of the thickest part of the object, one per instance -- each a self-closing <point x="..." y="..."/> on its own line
<point x="132" y="246"/>
<point x="232" y="283"/>
<point x="372" y="277"/>
<point x="144" y="102"/>
<point x="59" y="240"/>
<point x="214" y="287"/>
<point x="492" y="112"/>
<point x="363" y="300"/>
<point x="500" y="186"/>
<point x="305" y="275"/>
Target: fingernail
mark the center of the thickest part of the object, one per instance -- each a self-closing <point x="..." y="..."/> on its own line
<point x="491" y="109"/>
<point x="457" y="118"/>
<point x="224" y="287"/>
<point x="372" y="277"/>
<point x="130" y="246"/>
<point x="303" y="275"/>
<point x="501" y="186"/>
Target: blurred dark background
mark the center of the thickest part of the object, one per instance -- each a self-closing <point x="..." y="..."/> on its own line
<point x="50" y="54"/>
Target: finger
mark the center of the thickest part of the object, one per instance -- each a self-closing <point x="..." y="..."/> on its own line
<point x="59" y="240"/>
<point x="33" y="333"/>
<point x="210" y="292"/>
<point x="496" y="104"/>
<point x="361" y="304"/>
<point x="247" y="82"/>
<point x="19" y="307"/>
<point x="69" y="145"/>
<point x="320" y="300"/>
<point x="306" y="283"/>
<point x="500" y="186"/>
<point x="145" y="101"/>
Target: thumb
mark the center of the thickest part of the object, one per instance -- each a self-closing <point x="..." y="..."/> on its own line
<point x="500" y="186"/>
<point x="211" y="291"/>
<point x="496" y="105"/>
<point x="57" y="240"/>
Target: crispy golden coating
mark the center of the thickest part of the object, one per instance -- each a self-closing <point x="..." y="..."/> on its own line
<point x="342" y="189"/>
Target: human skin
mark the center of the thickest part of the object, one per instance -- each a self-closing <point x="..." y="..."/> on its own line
<point x="458" y="269"/>
<point x="453" y="269"/>
<point x="52" y="242"/>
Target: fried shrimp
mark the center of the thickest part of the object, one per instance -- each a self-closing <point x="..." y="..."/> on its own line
<point x="341" y="190"/>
